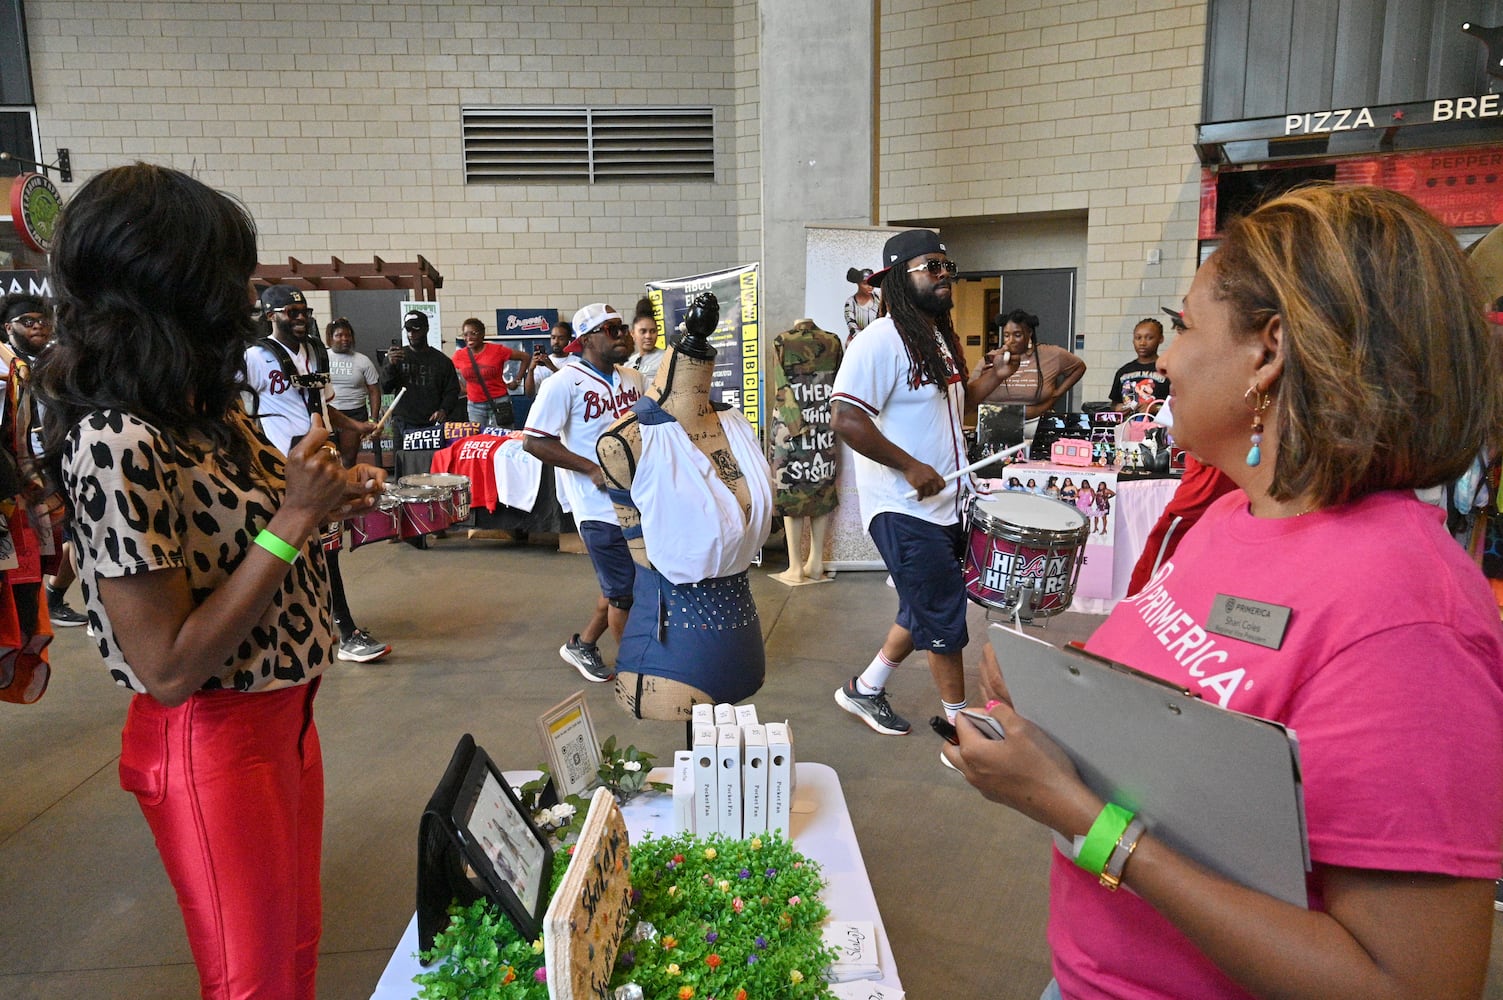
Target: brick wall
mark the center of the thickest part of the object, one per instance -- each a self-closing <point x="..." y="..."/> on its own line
<point x="338" y="125"/>
<point x="1053" y="109"/>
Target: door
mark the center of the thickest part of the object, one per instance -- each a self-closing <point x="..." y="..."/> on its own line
<point x="1048" y="293"/>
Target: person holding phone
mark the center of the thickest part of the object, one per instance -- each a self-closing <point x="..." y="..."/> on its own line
<point x="199" y="562"/>
<point x="546" y="363"/>
<point x="1317" y="312"/>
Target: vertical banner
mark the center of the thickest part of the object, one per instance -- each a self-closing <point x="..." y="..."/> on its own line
<point x="737" y="340"/>
<point x="435" y="326"/>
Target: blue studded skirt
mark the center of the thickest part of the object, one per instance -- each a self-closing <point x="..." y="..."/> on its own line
<point x="704" y="634"/>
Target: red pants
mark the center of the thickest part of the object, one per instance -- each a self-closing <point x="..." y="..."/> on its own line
<point x="232" y="786"/>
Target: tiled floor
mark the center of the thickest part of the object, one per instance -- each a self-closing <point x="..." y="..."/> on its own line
<point x="476" y="624"/>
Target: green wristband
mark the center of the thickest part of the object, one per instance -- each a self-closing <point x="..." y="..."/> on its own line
<point x="271" y="543"/>
<point x="1100" y="842"/>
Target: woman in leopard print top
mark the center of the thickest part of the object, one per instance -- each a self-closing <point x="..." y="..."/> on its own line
<point x="181" y="509"/>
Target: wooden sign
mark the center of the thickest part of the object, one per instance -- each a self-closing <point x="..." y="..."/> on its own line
<point x="583" y="926"/>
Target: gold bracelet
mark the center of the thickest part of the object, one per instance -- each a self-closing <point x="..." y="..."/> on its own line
<point x="1111" y="874"/>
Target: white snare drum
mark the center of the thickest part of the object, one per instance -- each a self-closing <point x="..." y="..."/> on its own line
<point x="459" y="487"/>
<point x="1024" y="554"/>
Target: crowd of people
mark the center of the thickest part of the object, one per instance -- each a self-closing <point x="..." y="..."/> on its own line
<point x="1332" y="358"/>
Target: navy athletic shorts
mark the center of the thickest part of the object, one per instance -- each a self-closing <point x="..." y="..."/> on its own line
<point x="925" y="562"/>
<point x="610" y="557"/>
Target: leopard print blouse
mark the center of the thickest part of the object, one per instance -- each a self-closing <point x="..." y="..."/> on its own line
<point x="142" y="503"/>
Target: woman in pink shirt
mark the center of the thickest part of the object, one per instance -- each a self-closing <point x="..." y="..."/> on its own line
<point x="1334" y="359"/>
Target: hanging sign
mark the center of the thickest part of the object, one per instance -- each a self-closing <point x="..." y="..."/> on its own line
<point x="34" y="205"/>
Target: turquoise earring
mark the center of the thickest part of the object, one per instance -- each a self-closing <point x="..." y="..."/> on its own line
<point x="1259" y="403"/>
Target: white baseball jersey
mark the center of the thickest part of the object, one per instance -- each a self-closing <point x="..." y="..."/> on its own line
<point x="278" y="404"/>
<point x="923" y="419"/>
<point x="576" y="406"/>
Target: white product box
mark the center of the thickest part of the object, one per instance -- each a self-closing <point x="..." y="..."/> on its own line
<point x="746" y="715"/>
<point x="753" y="780"/>
<point x="725" y="714"/>
<point x="704" y="714"/>
<point x="683" y="791"/>
<point x="706" y="782"/>
<point x="780" y="777"/>
<point x="728" y="759"/>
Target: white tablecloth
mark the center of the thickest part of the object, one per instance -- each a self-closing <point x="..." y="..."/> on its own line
<point x="822" y="831"/>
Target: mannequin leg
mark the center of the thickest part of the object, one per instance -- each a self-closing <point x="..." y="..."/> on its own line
<point x="814" y="566"/>
<point x="647" y="697"/>
<point x="793" y="532"/>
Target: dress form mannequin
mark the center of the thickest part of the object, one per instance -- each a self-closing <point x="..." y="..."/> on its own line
<point x="679" y="401"/>
<point x="804" y="448"/>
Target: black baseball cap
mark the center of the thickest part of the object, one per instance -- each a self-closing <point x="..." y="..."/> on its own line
<point x="415" y="320"/>
<point x="906" y="245"/>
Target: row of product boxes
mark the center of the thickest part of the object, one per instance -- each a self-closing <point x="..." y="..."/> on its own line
<point x="737" y="777"/>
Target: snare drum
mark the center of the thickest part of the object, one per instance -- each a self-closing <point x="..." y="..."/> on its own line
<point x="459" y="500"/>
<point x="379" y="524"/>
<point x="423" y="510"/>
<point x="1024" y="554"/>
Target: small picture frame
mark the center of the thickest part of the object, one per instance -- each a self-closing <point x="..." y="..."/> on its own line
<point x="501" y="846"/>
<point x="570" y="744"/>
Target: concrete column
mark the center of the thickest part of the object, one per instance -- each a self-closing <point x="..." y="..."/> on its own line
<point x="818" y="82"/>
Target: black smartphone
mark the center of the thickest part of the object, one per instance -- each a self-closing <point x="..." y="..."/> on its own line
<point x="946" y="729"/>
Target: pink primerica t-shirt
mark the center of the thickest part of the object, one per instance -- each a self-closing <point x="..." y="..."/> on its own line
<point x="1390" y="672"/>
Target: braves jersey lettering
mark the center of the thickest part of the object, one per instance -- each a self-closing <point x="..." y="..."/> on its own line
<point x="597" y="403"/>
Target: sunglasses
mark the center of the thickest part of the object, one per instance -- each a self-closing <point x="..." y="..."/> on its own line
<point x="934" y="265"/>
<point x="294" y="313"/>
<point x="32" y="322"/>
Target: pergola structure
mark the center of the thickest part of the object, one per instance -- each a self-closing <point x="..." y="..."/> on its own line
<point x="339" y="276"/>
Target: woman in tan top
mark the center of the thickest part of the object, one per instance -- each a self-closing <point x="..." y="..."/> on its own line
<point x="1036" y="375"/>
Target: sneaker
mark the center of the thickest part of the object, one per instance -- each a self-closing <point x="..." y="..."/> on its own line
<point x="946" y="761"/>
<point x="585" y="657"/>
<point x="872" y="709"/>
<point x="1498" y="895"/>
<point x="61" y="614"/>
<point x="361" y="648"/>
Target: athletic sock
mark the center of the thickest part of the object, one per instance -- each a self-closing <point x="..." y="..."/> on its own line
<point x="873" y="679"/>
<point x="952" y="710"/>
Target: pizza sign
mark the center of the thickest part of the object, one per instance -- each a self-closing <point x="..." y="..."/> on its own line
<point x="34" y="206"/>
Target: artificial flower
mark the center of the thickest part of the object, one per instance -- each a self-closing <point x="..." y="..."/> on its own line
<point x="737" y="905"/>
<point x="685" y="992"/>
<point x="672" y="969"/>
<point x="796" y="976"/>
<point x="756" y="843"/>
<point x="669" y="941"/>
<point x="510" y="975"/>
<point x="711" y="853"/>
<point x="724" y="885"/>
<point x="632" y="765"/>
<point x="711" y="937"/>
<point x="541" y="975"/>
<point x="794" y="901"/>
<point x="712" y="960"/>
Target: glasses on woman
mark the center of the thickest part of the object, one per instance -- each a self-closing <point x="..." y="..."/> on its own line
<point x="934" y="265"/>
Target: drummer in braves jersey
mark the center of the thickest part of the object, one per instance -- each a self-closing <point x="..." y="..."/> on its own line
<point x="898" y="401"/>
<point x="571" y="410"/>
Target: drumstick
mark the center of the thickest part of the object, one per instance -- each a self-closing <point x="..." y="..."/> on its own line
<point x="913" y="494"/>
<point x="395" y="400"/>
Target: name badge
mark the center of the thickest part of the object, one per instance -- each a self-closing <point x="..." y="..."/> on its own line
<point x="1257" y="622"/>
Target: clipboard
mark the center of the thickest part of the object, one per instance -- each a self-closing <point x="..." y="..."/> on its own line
<point x="1221" y="787"/>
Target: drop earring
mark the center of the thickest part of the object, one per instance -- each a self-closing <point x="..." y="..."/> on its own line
<point x="1258" y="403"/>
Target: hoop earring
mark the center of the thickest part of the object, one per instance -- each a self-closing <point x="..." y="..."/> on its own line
<point x="1258" y="404"/>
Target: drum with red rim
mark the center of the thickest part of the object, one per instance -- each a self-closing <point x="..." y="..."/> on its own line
<point x="1024" y="554"/>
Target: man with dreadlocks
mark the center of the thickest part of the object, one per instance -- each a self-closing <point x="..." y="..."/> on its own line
<point x="898" y="400"/>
